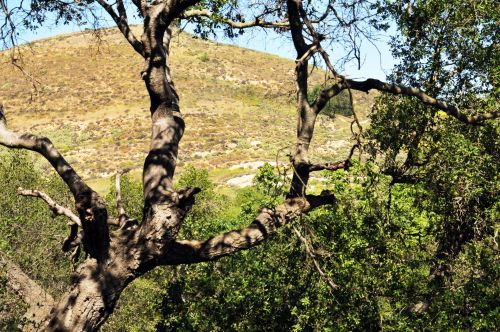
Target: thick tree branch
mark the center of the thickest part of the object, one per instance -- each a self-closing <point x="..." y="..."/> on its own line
<point x="38" y="300"/>
<point x="306" y="114"/>
<point x="264" y="225"/>
<point x="90" y="206"/>
<point x="373" y="84"/>
<point x="301" y="47"/>
<point x="342" y="83"/>
<point x="257" y="22"/>
<point x="344" y="164"/>
<point x="43" y="146"/>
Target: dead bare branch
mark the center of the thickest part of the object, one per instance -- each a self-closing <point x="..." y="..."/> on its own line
<point x="54" y="207"/>
<point x="73" y="239"/>
<point x="122" y="215"/>
<point x="312" y="256"/>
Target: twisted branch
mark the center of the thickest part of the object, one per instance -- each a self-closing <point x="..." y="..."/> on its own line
<point x="43" y="146"/>
<point x="90" y="206"/>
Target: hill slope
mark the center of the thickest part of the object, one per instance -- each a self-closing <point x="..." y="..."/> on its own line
<point x="91" y="101"/>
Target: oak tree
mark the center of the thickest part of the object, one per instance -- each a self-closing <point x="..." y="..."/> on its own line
<point x="119" y="249"/>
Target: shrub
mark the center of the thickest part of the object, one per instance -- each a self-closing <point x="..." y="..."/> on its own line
<point x="339" y="104"/>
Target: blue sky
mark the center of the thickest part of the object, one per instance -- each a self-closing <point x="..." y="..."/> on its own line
<point x="377" y="60"/>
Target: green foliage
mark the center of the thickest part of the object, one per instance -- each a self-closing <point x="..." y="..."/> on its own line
<point x="340" y="104"/>
<point x="268" y="182"/>
<point x="456" y="168"/>
<point x="451" y="46"/>
<point x="131" y="193"/>
<point x="28" y="234"/>
<point x="416" y="221"/>
<point x="202" y="219"/>
<point x="377" y="244"/>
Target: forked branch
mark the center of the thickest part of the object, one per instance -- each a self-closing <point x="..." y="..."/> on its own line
<point x="73" y="238"/>
<point x="121" y="21"/>
<point x="342" y="83"/>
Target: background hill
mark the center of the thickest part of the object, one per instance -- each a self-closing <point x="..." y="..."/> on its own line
<point x="90" y="100"/>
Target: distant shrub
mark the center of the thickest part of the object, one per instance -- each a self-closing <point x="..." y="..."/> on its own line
<point x="204" y="57"/>
<point x="339" y="104"/>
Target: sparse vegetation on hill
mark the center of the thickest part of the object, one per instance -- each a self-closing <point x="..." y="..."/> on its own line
<point x="401" y="236"/>
<point x="224" y="90"/>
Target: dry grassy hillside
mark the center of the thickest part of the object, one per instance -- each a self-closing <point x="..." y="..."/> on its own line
<point x="90" y="100"/>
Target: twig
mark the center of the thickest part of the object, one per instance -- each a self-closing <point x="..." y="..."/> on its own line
<point x="123" y="220"/>
<point x="311" y="255"/>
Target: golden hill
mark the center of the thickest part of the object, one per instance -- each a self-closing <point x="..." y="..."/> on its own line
<point x="90" y="100"/>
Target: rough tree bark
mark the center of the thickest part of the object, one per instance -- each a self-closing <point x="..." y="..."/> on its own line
<point x="115" y="258"/>
<point x="39" y="302"/>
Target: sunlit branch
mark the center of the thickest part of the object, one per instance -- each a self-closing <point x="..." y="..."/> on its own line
<point x="257" y="22"/>
<point x="122" y="23"/>
<point x="43" y="146"/>
<point x="91" y="208"/>
<point x="344" y="164"/>
<point x="54" y="207"/>
<point x="373" y="84"/>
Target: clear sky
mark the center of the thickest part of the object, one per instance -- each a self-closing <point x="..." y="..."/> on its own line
<point x="377" y="60"/>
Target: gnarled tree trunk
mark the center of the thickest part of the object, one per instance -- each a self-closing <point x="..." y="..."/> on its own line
<point x="115" y="258"/>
